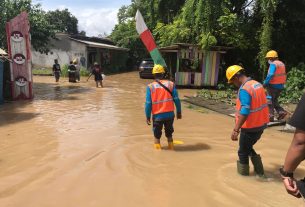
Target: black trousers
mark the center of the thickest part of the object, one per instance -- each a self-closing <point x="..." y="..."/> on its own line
<point x="275" y="94"/>
<point x="168" y="127"/>
<point x="246" y="142"/>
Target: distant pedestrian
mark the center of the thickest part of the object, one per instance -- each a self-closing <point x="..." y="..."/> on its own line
<point x="77" y="72"/>
<point x="274" y="83"/>
<point x="98" y="74"/>
<point x="72" y="72"/>
<point x="296" y="153"/>
<point x="56" y="70"/>
<point x="251" y="118"/>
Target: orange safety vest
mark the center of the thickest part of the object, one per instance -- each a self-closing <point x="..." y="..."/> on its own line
<point x="162" y="101"/>
<point x="259" y="112"/>
<point x="280" y="73"/>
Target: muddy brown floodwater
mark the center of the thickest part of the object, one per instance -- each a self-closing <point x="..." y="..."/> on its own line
<point x="75" y="145"/>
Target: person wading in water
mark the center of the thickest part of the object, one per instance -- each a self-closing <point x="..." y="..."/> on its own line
<point x="161" y="96"/>
<point x="97" y="72"/>
<point x="252" y="116"/>
<point x="56" y="70"/>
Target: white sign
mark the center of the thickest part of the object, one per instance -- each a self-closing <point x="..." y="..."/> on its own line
<point x="17" y="36"/>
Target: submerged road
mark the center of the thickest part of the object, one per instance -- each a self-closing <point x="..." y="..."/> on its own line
<point x="75" y="145"/>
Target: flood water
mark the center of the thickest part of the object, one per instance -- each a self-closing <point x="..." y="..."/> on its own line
<point x="75" y="145"/>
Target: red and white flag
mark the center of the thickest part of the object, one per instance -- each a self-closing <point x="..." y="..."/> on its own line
<point x="148" y="40"/>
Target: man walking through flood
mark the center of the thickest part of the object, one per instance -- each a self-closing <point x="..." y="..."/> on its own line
<point x="56" y="70"/>
<point x="97" y="72"/>
<point x="252" y="116"/>
<point x="274" y="83"/>
<point x="161" y="96"/>
<point x="77" y="71"/>
<point x="296" y="153"/>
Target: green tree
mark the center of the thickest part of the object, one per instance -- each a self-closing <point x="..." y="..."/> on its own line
<point x="203" y="22"/>
<point x="250" y="27"/>
<point x="125" y="35"/>
<point x="168" y="9"/>
<point x="123" y="14"/>
<point x="63" y="21"/>
<point x="268" y="8"/>
<point x="41" y="31"/>
<point x="289" y="31"/>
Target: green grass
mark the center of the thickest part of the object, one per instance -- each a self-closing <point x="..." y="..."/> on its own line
<point x="64" y="71"/>
<point x="42" y="72"/>
<point x="197" y="108"/>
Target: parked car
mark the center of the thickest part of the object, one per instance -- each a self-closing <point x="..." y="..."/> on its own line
<point x="145" y="68"/>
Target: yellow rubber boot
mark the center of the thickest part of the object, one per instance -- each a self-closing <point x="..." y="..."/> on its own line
<point x="157" y="146"/>
<point x="171" y="146"/>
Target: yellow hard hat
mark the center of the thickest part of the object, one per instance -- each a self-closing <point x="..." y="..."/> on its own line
<point x="231" y="71"/>
<point x="158" y="69"/>
<point x="271" y="54"/>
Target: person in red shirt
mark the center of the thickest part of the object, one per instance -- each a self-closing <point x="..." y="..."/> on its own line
<point x="97" y="72"/>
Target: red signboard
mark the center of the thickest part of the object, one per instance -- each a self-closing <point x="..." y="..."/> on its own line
<point x="19" y="49"/>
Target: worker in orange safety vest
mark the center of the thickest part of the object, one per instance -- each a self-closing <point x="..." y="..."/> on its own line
<point x="161" y="96"/>
<point x="274" y="83"/>
<point x="251" y="118"/>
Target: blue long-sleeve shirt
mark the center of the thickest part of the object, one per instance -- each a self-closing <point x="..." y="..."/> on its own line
<point x="245" y="101"/>
<point x="162" y="116"/>
<point x="272" y="69"/>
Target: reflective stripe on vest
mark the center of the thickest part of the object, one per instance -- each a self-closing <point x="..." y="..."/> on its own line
<point x="259" y="108"/>
<point x="162" y="101"/>
<point x="259" y="112"/>
<point x="280" y="73"/>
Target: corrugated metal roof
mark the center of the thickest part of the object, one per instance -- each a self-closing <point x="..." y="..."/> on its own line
<point x="100" y="45"/>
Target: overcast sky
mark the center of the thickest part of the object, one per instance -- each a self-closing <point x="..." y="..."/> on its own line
<point x="94" y="16"/>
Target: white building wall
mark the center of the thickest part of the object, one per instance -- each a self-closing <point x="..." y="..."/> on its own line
<point x="40" y="60"/>
<point x="64" y="50"/>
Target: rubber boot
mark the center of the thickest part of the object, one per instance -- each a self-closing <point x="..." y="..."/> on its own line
<point x="170" y="145"/>
<point x="242" y="169"/>
<point x="157" y="146"/>
<point x="258" y="165"/>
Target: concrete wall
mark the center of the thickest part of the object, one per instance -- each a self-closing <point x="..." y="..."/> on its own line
<point x="66" y="51"/>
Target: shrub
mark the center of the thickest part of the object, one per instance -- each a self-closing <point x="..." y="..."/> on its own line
<point x="42" y="71"/>
<point x="294" y="86"/>
<point x="228" y="96"/>
<point x="84" y="72"/>
<point x="64" y="70"/>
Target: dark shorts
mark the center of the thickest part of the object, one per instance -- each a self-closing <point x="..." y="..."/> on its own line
<point x="168" y="127"/>
<point x="57" y="75"/>
<point x="98" y="77"/>
<point x="298" y="118"/>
